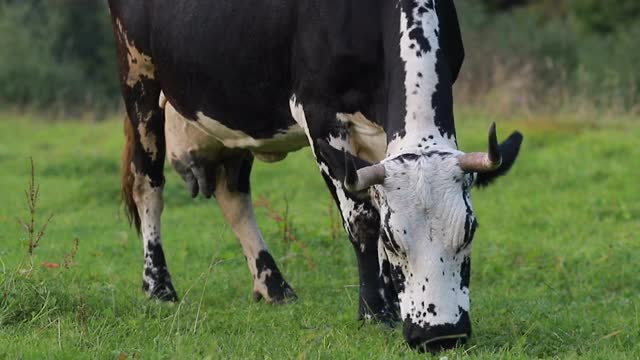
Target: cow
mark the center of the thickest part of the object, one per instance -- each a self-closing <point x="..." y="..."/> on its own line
<point x="367" y="84"/>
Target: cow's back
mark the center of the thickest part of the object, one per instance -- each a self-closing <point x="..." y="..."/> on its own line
<point x="224" y="60"/>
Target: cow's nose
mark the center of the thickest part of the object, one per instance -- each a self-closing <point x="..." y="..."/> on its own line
<point x="438" y="337"/>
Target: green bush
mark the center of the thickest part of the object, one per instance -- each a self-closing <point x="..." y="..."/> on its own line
<point x="525" y="59"/>
<point x="57" y="55"/>
<point x="605" y="17"/>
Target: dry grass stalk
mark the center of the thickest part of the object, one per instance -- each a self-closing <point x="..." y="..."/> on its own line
<point x="288" y="235"/>
<point x="70" y="256"/>
<point x="33" y="233"/>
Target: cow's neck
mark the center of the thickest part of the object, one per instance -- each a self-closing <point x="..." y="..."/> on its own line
<point x="419" y="111"/>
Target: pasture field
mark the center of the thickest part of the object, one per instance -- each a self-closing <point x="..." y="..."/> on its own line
<point x="555" y="274"/>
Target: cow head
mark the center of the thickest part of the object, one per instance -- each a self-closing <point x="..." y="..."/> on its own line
<point x="427" y="225"/>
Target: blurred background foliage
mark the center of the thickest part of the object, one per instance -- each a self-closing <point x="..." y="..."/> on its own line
<point x="57" y="56"/>
<point x="545" y="56"/>
<point x="523" y="56"/>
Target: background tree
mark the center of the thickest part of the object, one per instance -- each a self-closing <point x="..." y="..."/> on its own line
<point x="57" y="56"/>
<point x="605" y="17"/>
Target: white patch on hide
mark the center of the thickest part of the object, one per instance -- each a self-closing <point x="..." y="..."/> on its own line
<point x="237" y="210"/>
<point x="149" y="204"/>
<point x="184" y="139"/>
<point x="420" y="115"/>
<point x="347" y="206"/>
<point x="367" y="140"/>
<point x="207" y="138"/>
<point x="297" y="112"/>
<point x="140" y="65"/>
<point x="148" y="140"/>
<point x="288" y="140"/>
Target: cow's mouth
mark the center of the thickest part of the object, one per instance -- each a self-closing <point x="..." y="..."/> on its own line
<point x="445" y="342"/>
<point x="437" y="337"/>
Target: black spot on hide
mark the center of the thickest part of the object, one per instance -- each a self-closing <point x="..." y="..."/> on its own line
<point x="397" y="275"/>
<point x="388" y="239"/>
<point x="277" y="287"/>
<point x="416" y="33"/>
<point x="238" y="172"/>
<point x="432" y="310"/>
<point x="158" y="272"/>
<point x="465" y="272"/>
<point x="335" y="159"/>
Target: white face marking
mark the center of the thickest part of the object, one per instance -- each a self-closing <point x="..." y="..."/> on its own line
<point x="140" y="65"/>
<point x="420" y="81"/>
<point x="424" y="213"/>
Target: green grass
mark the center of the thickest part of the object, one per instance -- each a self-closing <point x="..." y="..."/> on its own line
<point x="555" y="263"/>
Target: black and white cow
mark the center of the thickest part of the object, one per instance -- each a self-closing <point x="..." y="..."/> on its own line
<point x="214" y="84"/>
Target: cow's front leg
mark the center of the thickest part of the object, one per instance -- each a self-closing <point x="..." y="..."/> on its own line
<point x="390" y="292"/>
<point x="233" y="195"/>
<point x="362" y="223"/>
<point x="360" y="218"/>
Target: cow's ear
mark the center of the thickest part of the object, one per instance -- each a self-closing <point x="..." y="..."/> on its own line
<point x="509" y="150"/>
<point x="450" y="36"/>
<point x="337" y="160"/>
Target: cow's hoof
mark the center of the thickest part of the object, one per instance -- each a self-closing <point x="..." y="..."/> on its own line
<point x="384" y="317"/>
<point x="162" y="292"/>
<point x="284" y="295"/>
<point x="390" y="320"/>
<point x="277" y="294"/>
<point x="268" y="282"/>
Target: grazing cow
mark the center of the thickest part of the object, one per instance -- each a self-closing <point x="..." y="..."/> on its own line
<point x="367" y="84"/>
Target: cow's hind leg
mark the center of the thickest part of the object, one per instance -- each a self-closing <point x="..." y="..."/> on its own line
<point x="233" y="196"/>
<point x="144" y="155"/>
<point x="142" y="185"/>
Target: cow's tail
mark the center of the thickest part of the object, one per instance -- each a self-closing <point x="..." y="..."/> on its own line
<point x="128" y="176"/>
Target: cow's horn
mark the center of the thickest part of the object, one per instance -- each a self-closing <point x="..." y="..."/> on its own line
<point x="358" y="180"/>
<point x="483" y="162"/>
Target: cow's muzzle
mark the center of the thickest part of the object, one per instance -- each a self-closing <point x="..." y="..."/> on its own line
<point x="438" y="337"/>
